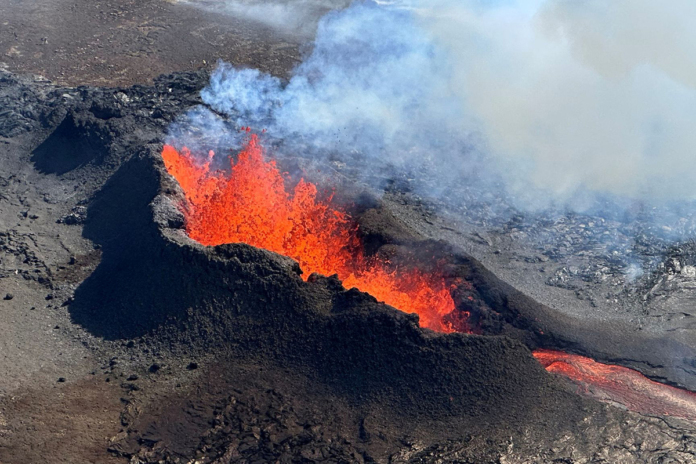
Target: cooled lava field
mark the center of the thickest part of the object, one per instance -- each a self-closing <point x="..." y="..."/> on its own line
<point x="172" y="293"/>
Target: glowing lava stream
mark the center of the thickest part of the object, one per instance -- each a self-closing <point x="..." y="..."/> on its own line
<point x="620" y="385"/>
<point x="250" y="204"/>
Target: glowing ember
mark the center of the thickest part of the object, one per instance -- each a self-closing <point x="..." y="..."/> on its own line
<point x="250" y="204"/>
<point x="620" y="385"/>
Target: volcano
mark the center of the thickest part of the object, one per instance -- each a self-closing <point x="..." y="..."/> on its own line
<point x="250" y="204"/>
<point x="257" y="302"/>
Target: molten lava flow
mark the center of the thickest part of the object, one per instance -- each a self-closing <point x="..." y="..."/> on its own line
<point x="250" y="204"/>
<point x="620" y="385"/>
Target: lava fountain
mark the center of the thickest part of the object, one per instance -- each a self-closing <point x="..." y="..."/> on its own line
<point x="251" y="204"/>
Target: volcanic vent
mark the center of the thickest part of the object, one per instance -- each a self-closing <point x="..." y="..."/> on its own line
<point x="271" y="330"/>
<point x="250" y="204"/>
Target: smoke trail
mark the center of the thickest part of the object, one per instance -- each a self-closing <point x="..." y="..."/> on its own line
<point x="558" y="98"/>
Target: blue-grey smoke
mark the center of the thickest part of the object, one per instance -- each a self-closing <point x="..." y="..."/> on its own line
<point x="371" y="84"/>
<point x="558" y="100"/>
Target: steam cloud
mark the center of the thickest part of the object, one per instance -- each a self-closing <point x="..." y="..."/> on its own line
<point x="587" y="93"/>
<point x="557" y="97"/>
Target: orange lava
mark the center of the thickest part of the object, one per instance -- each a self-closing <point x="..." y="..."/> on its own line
<point x="620" y="385"/>
<point x="251" y="204"/>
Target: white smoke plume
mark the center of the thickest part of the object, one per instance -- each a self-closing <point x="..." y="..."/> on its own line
<point x="559" y="98"/>
<point x="586" y="93"/>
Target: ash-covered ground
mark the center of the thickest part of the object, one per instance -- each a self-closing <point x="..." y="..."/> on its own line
<point x="124" y="341"/>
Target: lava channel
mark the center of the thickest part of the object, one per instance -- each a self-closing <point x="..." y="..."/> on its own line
<point x="620" y="385"/>
<point x="251" y="204"/>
